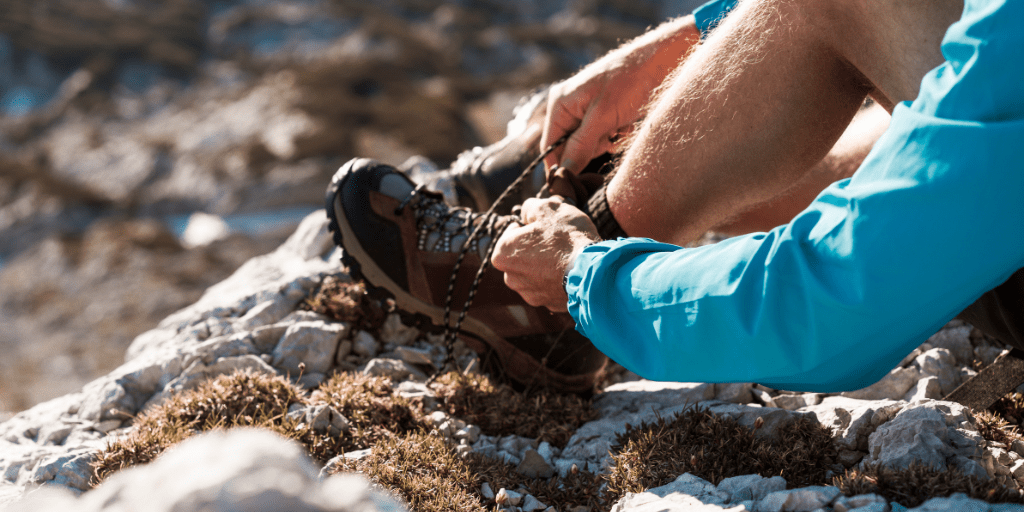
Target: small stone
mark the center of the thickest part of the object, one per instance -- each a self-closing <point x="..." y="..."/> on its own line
<point x="531" y="504"/>
<point x="310" y="343"/>
<point x="804" y="499"/>
<point x="486" y="492"/>
<point x="344" y="349"/>
<point x="437" y="418"/>
<point x="463" y="450"/>
<point x="469" y="433"/>
<point x="737" y="393"/>
<point x="926" y="388"/>
<point x="1017" y="469"/>
<point x="1018" y="446"/>
<point x="394" y="331"/>
<point x="395" y="369"/>
<point x="858" y="502"/>
<point x="534" y="466"/>
<point x="894" y="385"/>
<point x="794" y="402"/>
<point x="107" y="426"/>
<point x="364" y="344"/>
<point x="848" y="458"/>
<point x="414" y="355"/>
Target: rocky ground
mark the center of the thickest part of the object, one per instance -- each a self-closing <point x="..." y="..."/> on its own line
<point x="116" y="115"/>
<point x="253" y="321"/>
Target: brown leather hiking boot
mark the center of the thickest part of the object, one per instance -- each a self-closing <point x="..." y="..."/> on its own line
<point x="405" y="240"/>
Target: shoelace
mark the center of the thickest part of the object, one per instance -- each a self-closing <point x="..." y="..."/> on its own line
<point x="487" y="226"/>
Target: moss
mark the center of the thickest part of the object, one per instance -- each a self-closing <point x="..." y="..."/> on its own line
<point x="370" y="406"/>
<point x="339" y="298"/>
<point x="918" y="483"/>
<point x="424" y="470"/>
<point x="499" y="410"/>
<point x="240" y="399"/>
<point x="245" y="399"/>
<point x="714" y="448"/>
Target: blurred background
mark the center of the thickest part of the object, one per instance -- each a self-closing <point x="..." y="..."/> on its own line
<point x="149" y="147"/>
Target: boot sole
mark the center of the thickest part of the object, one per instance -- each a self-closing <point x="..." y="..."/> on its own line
<point x="517" y="364"/>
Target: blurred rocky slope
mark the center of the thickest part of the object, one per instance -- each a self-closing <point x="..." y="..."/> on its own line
<point x="115" y="114"/>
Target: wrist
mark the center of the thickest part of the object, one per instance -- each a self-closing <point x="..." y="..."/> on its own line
<point x="570" y="262"/>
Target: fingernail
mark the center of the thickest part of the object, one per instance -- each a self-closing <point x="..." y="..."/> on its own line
<point x="568" y="164"/>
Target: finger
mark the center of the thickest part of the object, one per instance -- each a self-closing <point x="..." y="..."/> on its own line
<point x="580" y="148"/>
<point x="503" y="257"/>
<point x="534" y="209"/>
<point x="562" y="117"/>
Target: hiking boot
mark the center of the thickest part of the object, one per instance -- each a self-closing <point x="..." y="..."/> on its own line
<point x="405" y="240"/>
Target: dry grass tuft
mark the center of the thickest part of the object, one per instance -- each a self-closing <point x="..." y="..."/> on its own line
<point x="918" y="483"/>
<point x="580" y="489"/>
<point x="371" y="408"/>
<point x="424" y="470"/>
<point x="994" y="427"/>
<point x="240" y="399"/>
<point x="1011" y="409"/>
<point x="341" y="299"/>
<point x="714" y="448"/>
<point x="499" y="410"/>
<point x="246" y="399"/>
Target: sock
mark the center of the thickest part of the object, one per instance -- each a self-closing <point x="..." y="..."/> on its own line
<point x="597" y="209"/>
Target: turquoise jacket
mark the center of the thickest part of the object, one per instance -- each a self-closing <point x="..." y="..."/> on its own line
<point x="833" y="300"/>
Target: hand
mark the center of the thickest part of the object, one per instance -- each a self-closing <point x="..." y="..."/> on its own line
<point x="535" y="256"/>
<point x="606" y="98"/>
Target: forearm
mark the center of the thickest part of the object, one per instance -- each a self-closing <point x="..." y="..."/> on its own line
<point x="658" y="51"/>
<point x="736" y="125"/>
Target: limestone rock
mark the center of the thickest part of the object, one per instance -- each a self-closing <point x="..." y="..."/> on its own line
<point x="534" y="466"/>
<point x="894" y="385"/>
<point x="854" y="420"/>
<point x="940" y="363"/>
<point x="242" y="469"/>
<point x="932" y="433"/>
<point x="928" y="388"/>
<point x="805" y="499"/>
<point x="957" y="340"/>
<point x="311" y="343"/>
<point x="687" y="492"/>
<point x="750" y="487"/>
<point x="395" y="369"/>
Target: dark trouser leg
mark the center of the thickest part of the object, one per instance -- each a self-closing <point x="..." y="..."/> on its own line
<point x="998" y="313"/>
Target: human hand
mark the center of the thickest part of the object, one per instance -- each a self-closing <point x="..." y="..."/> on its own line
<point x="606" y="98"/>
<point x="535" y="256"/>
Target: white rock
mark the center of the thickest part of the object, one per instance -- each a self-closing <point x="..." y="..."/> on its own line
<point x="311" y="343"/>
<point x="242" y="469"/>
<point x="924" y="432"/>
<point x="957" y="340"/>
<point x="394" y="331"/>
<point x="794" y="402"/>
<point x="854" y="420"/>
<point x="927" y="388"/>
<point x="1017" y="469"/>
<point x="395" y="369"/>
<point x="894" y="385"/>
<point x="687" y="492"/>
<point x="486" y="491"/>
<point x="958" y="502"/>
<point x="750" y="487"/>
<point x="204" y="229"/>
<point x="804" y="499"/>
<point x="737" y="393"/>
<point x="324" y="418"/>
<point x="530" y="504"/>
<point x="860" y="502"/>
<point x="940" y="363"/>
<point x="534" y="466"/>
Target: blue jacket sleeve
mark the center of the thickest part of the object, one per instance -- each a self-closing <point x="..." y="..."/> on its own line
<point x="834" y="299"/>
<point x="709" y="15"/>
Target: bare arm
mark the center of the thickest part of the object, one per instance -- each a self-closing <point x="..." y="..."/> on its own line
<point x="607" y="97"/>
